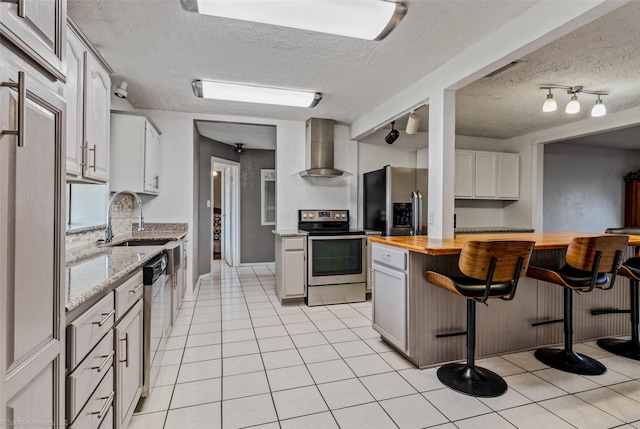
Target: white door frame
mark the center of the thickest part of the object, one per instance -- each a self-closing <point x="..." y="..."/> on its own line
<point x="230" y="201"/>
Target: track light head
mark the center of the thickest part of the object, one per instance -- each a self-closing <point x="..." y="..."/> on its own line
<point x="598" y="109"/>
<point x="121" y="90"/>
<point x="550" y="104"/>
<point x="393" y="134"/>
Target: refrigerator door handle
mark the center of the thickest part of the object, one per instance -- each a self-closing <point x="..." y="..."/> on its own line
<point x="415" y="212"/>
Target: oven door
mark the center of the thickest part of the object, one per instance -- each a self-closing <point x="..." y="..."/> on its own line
<point x="336" y="259"/>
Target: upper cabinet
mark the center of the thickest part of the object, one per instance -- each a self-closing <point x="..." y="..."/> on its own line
<point x="487" y="175"/>
<point x="37" y="28"/>
<point x="135" y="153"/>
<point x="87" y="92"/>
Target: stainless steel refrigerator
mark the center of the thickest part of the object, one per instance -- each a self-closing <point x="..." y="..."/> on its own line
<point x="395" y="200"/>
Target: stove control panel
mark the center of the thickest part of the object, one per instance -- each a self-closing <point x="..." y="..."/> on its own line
<point x="323" y="215"/>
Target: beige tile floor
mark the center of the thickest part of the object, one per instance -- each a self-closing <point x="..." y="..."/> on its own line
<point x="236" y="358"/>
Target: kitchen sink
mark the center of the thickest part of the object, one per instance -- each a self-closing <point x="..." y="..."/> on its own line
<point x="160" y="242"/>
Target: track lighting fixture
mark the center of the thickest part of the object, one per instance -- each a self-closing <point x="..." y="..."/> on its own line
<point x="573" y="106"/>
<point x="393" y="134"/>
<point x="239" y="148"/>
<point x="121" y="90"/>
<point x="413" y="123"/>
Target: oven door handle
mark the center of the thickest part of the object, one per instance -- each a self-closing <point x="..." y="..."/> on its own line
<point x="336" y="237"/>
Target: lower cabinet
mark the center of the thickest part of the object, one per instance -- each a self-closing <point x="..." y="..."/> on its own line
<point x="291" y="267"/>
<point x="129" y="369"/>
<point x="389" y="274"/>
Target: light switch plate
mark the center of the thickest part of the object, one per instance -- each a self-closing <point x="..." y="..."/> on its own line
<point x="430" y="218"/>
<point x="209" y="203"/>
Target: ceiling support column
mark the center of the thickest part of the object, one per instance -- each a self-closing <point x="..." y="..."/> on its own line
<point x="442" y="124"/>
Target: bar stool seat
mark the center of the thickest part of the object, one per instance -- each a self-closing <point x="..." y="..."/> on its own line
<point x="629" y="348"/>
<point x="590" y="262"/>
<point x="491" y="269"/>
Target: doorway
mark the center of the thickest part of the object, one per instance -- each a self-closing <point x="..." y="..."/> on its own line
<point x="225" y="211"/>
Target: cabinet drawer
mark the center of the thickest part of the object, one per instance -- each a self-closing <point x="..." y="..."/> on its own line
<point x="99" y="407"/>
<point x="294" y="243"/>
<point x="128" y="294"/>
<point x="390" y="257"/>
<point x="85" y="332"/>
<point x="84" y="379"/>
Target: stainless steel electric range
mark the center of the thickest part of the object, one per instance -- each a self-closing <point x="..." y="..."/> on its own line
<point x="336" y="258"/>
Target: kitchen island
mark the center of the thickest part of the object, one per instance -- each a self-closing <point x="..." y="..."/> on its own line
<point x="409" y="312"/>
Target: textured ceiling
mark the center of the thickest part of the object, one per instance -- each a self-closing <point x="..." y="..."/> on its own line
<point x="159" y="49"/>
<point x="251" y="136"/>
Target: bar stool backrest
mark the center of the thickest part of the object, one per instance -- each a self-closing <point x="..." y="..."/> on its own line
<point x="476" y="259"/>
<point x="583" y="252"/>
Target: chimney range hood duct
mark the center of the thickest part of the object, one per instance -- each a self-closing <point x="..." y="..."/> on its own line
<point x="319" y="150"/>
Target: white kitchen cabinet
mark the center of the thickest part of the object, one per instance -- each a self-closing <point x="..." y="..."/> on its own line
<point x="135" y="153"/>
<point x="37" y="28"/>
<point x="464" y="175"/>
<point x="291" y="267"/>
<point x="485" y="175"/>
<point x="486" y="172"/>
<point x="129" y="365"/>
<point x="32" y="245"/>
<point x="87" y="92"/>
<point x="390" y="293"/>
<point x="508" y="176"/>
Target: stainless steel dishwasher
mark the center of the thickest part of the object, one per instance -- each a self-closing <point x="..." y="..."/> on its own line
<point x="155" y="317"/>
<point x="175" y="254"/>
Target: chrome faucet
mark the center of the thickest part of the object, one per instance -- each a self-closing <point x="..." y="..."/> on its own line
<point x="109" y="231"/>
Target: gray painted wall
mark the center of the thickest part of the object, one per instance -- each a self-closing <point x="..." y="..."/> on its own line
<point x="257" y="243"/>
<point x="583" y="187"/>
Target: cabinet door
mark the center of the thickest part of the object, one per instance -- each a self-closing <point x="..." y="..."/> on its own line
<point x="31" y="250"/>
<point x="151" y="160"/>
<point x="129" y="368"/>
<point x="508" y="176"/>
<point x="74" y="94"/>
<point x="37" y="27"/>
<point x="486" y="175"/>
<point x="96" y="119"/>
<point x="294" y="273"/>
<point x="464" y="175"/>
<point x="390" y="305"/>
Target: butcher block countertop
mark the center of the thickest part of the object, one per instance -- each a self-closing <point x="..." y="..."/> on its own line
<point x="453" y="246"/>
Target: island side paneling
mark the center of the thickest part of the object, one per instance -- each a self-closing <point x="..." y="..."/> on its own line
<point x="503" y="326"/>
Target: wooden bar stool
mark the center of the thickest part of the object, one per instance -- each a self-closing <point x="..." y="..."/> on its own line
<point x="589" y="262"/>
<point x="630" y="269"/>
<point x="490" y="269"/>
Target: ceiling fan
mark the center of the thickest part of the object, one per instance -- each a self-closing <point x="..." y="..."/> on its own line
<point x="239" y="148"/>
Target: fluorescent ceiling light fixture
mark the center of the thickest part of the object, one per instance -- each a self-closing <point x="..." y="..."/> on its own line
<point x="254" y="94"/>
<point x="363" y="19"/>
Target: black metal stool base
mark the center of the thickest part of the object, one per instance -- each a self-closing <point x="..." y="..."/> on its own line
<point x="474" y="381"/>
<point x="629" y="348"/>
<point x="570" y="361"/>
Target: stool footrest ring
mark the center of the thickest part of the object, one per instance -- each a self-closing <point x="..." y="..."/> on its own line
<point x="570" y="361"/>
<point x="473" y="381"/>
<point x="599" y="311"/>
<point x="548" y="322"/>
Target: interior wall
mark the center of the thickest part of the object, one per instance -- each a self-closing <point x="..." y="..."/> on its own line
<point x="583" y="187"/>
<point x="208" y="148"/>
<point x="257" y="241"/>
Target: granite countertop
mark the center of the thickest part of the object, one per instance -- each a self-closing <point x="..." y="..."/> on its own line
<point x="290" y="233"/>
<point x="93" y="269"/>
<point x="88" y="277"/>
<point x="490" y="229"/>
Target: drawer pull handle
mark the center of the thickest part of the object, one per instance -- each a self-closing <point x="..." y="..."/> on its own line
<point x="20" y="4"/>
<point x="106" y="318"/>
<point x="106" y="405"/>
<point x="386" y="255"/>
<point x="22" y="99"/>
<point x="126" y="349"/>
<point x="136" y="289"/>
<point x="104" y="363"/>
<point x="157" y="180"/>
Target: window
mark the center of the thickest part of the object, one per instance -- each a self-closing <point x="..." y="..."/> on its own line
<point x="268" y="196"/>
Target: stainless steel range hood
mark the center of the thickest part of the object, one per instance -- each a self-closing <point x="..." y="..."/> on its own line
<point x="319" y="150"/>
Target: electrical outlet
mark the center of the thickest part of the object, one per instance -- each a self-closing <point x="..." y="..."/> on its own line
<point x="209" y="203"/>
<point x="430" y="218"/>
